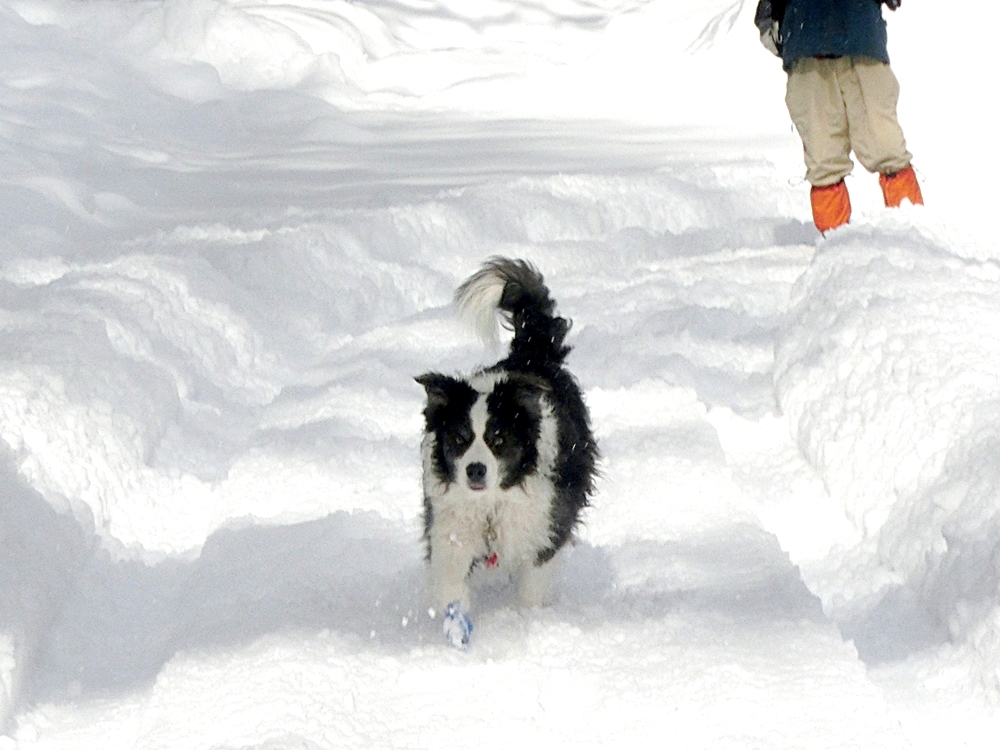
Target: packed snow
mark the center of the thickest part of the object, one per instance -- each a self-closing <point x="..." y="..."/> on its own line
<point x="231" y="232"/>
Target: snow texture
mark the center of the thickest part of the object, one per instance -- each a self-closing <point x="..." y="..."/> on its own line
<point x="230" y="233"/>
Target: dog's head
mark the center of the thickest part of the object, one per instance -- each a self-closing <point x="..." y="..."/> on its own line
<point x="485" y="433"/>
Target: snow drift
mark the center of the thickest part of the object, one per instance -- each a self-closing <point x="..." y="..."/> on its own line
<point x="889" y="372"/>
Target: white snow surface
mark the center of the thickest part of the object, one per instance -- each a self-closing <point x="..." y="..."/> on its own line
<point x="230" y="231"/>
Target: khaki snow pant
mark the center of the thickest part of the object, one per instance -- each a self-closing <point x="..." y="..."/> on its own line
<point x="842" y="104"/>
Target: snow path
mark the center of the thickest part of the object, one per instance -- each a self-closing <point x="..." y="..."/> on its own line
<point x="677" y="614"/>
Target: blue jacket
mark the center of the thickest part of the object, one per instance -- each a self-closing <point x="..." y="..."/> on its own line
<point x="833" y="28"/>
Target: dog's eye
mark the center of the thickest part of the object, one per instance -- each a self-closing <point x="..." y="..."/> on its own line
<point x="459" y="437"/>
<point x="494" y="437"/>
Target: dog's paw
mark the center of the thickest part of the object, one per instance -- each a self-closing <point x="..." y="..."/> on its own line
<point x="457" y="625"/>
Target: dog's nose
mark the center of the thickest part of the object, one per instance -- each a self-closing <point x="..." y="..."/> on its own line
<point x="476" y="472"/>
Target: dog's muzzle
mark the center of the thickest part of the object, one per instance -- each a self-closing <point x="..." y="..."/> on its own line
<point x="476" y="474"/>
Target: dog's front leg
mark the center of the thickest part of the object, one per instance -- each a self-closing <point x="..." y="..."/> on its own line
<point x="450" y="562"/>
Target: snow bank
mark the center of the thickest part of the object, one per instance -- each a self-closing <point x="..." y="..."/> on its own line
<point x="889" y="373"/>
<point x="145" y="376"/>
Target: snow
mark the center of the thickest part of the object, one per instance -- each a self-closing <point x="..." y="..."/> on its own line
<point x="229" y="236"/>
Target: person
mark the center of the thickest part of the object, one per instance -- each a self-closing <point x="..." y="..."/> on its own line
<point x="842" y="97"/>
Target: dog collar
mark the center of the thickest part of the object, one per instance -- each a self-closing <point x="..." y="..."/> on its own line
<point x="490" y="538"/>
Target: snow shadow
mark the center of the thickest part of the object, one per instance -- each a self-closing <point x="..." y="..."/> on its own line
<point x="353" y="573"/>
<point x="900" y="625"/>
<point x="946" y="540"/>
<point x="41" y="552"/>
<point x="738" y="572"/>
<point x="99" y="627"/>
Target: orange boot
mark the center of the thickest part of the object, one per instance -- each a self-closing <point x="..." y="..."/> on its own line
<point x="899" y="187"/>
<point x="831" y="206"/>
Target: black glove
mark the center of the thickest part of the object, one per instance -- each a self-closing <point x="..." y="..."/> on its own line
<point x="893" y="4"/>
<point x="771" y="39"/>
<point x="768" y="22"/>
<point x="768" y="12"/>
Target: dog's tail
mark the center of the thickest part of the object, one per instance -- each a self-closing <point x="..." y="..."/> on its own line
<point x="517" y="290"/>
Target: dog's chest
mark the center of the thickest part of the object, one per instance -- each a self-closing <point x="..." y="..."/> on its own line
<point x="515" y="527"/>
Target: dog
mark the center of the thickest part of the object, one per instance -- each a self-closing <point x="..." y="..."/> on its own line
<point x="509" y="459"/>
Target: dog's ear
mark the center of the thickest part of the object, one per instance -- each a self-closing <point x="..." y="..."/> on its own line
<point x="438" y="387"/>
<point x="528" y="389"/>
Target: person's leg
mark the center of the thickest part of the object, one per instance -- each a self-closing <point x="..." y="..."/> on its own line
<point x="817" y="109"/>
<point x="871" y="93"/>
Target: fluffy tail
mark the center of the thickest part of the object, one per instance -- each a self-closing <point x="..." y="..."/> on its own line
<point x="517" y="290"/>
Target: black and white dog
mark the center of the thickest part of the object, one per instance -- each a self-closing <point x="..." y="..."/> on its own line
<point x="508" y="455"/>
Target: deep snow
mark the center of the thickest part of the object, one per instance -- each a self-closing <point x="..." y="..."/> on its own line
<point x="230" y="235"/>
